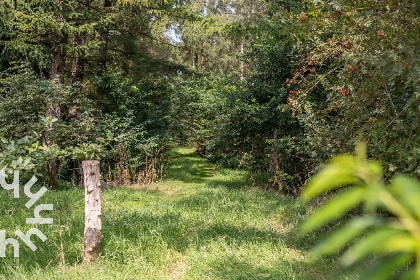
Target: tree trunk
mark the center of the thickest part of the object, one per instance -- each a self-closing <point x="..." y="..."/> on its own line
<point x="274" y="158"/>
<point x="93" y="208"/>
<point x="78" y="64"/>
<point x="242" y="62"/>
<point x="244" y="17"/>
<point x="52" y="166"/>
<point x="58" y="59"/>
<point x="78" y="67"/>
<point x="58" y="62"/>
<point x="195" y="60"/>
<point x="103" y="49"/>
<point x="57" y="70"/>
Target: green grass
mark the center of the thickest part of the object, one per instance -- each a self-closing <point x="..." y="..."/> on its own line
<point x="201" y="222"/>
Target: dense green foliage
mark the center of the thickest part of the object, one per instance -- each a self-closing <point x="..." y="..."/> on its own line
<point x="137" y="113"/>
<point x="363" y="56"/>
<point x="97" y="102"/>
<point x="323" y="75"/>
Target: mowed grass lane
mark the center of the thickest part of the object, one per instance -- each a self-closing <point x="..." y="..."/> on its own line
<point x="201" y="222"/>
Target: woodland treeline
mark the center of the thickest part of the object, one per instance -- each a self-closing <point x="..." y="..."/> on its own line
<point x="274" y="87"/>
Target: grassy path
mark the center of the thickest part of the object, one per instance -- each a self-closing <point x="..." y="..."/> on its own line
<point x="199" y="223"/>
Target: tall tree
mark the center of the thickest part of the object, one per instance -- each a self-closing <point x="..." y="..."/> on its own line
<point x="104" y="33"/>
<point x="217" y="41"/>
<point x="58" y="53"/>
<point x="43" y="27"/>
<point x="78" y="65"/>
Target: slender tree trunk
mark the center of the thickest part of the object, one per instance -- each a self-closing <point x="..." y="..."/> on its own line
<point x="52" y="167"/>
<point x="58" y="59"/>
<point x="57" y="70"/>
<point x="78" y="66"/>
<point x="242" y="62"/>
<point x="274" y="158"/>
<point x="244" y="17"/>
<point x="195" y="60"/>
<point x="103" y="49"/>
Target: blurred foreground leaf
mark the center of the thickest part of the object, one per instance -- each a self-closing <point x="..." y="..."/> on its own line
<point x="394" y="240"/>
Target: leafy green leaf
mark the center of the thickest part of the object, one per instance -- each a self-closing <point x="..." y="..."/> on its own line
<point x="340" y="172"/>
<point x="110" y="135"/>
<point x="409" y="275"/>
<point x="378" y="242"/>
<point x="407" y="191"/>
<point x="374" y="167"/>
<point x="361" y="151"/>
<point x="342" y="236"/>
<point x="334" y="208"/>
<point x="383" y="268"/>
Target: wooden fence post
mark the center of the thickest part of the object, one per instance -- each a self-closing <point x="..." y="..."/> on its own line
<point x="93" y="210"/>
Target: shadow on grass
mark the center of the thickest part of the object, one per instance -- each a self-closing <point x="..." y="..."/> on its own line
<point x="173" y="231"/>
<point x="140" y="226"/>
<point x="190" y="170"/>
<point x="182" y="153"/>
<point x="229" y="194"/>
<point x="234" y="267"/>
<point x="235" y="184"/>
<point x="178" y="233"/>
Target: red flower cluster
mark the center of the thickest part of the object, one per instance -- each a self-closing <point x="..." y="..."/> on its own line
<point x="344" y="92"/>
